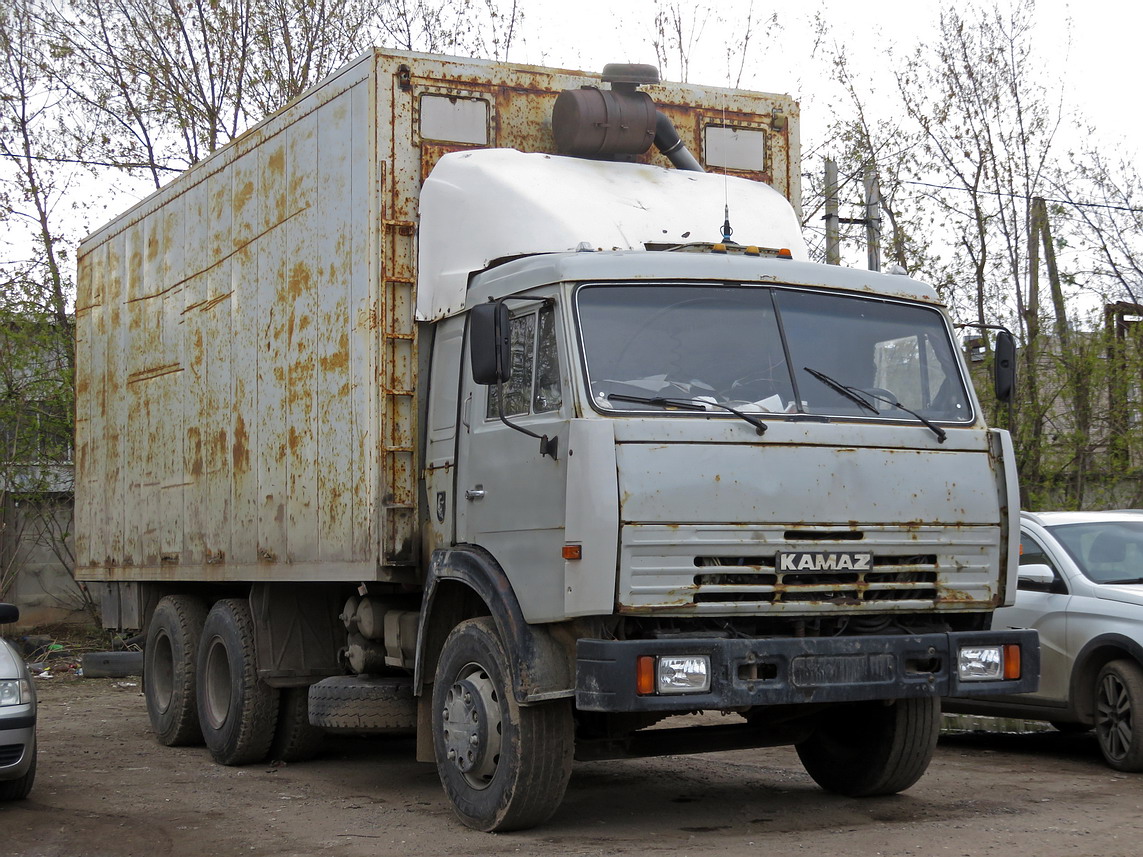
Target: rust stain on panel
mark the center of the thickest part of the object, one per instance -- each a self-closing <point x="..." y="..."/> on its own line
<point x="208" y="304"/>
<point x="241" y="451"/>
<point x="154" y="372"/>
<point x="338" y="360"/>
<point x="299" y="280"/>
<point x="243" y="195"/>
<point x="277" y="161"/>
<point x="194" y="447"/>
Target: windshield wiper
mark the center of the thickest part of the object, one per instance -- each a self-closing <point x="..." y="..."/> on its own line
<point x="852" y="393"/>
<point x="686" y="405"/>
<point x="859" y="396"/>
<point x="927" y="423"/>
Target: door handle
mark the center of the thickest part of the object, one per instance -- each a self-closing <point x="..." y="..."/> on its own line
<point x="474" y="493"/>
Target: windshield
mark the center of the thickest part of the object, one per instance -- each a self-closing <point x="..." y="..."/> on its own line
<point x="1105" y="551"/>
<point x="769" y="350"/>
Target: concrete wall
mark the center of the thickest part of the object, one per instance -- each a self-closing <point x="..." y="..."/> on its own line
<point x="32" y="575"/>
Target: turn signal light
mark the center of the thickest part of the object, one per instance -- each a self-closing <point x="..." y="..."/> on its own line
<point x="645" y="675"/>
<point x="1012" y="662"/>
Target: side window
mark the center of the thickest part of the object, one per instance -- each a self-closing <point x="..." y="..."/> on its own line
<point x="1032" y="554"/>
<point x="534" y="387"/>
<point x="547" y="394"/>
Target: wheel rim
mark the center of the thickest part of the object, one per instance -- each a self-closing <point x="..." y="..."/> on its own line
<point x="472" y="726"/>
<point x="217" y="686"/>
<point x="162" y="677"/>
<point x="1113" y="717"/>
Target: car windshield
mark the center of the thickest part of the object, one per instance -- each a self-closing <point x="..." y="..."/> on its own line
<point x="1105" y="551"/>
<point x="769" y="350"/>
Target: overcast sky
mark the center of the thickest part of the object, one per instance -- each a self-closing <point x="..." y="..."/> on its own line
<point x="1098" y="71"/>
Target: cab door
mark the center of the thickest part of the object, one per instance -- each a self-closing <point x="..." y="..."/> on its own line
<point x="510" y="498"/>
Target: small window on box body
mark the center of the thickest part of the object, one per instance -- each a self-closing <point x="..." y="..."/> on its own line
<point x="453" y="119"/>
<point x="735" y="148"/>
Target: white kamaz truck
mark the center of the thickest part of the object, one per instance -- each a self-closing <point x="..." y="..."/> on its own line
<point x="501" y="403"/>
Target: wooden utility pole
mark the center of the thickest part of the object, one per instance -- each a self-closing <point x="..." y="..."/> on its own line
<point x="1073" y="369"/>
<point x="872" y="219"/>
<point x="833" y="230"/>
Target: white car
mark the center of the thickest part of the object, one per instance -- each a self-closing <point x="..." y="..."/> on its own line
<point x="17" y="719"/>
<point x="1081" y="587"/>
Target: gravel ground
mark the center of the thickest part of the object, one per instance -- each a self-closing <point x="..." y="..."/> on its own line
<point x="105" y="787"/>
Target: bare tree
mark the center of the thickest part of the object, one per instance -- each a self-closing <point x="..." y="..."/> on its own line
<point x="298" y="42"/>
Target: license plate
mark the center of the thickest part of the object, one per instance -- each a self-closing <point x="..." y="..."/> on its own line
<point x="824" y="561"/>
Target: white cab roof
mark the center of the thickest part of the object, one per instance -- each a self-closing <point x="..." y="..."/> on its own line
<point x="485" y="205"/>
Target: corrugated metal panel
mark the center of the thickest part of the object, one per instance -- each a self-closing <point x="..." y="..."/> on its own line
<point x="248" y="398"/>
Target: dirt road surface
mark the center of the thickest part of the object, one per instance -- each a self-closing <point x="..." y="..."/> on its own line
<point x="105" y="787"/>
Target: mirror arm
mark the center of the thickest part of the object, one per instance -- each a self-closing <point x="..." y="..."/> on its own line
<point x="548" y="446"/>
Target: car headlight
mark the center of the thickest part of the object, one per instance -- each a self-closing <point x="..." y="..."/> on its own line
<point x="15" y="691"/>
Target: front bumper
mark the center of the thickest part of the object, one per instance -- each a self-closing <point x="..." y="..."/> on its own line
<point x="786" y="671"/>
<point x="17" y="744"/>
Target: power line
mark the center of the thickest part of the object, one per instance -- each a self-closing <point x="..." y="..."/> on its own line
<point x="1108" y="206"/>
<point x="1011" y="195"/>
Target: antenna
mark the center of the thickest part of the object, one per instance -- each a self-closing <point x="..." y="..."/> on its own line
<point x="727" y="230"/>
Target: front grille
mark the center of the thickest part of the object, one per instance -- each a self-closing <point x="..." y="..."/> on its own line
<point x="715" y="570"/>
<point x="10" y="754"/>
<point x="758" y="580"/>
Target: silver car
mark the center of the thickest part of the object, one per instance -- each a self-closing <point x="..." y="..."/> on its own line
<point x="1081" y="587"/>
<point x="17" y="718"/>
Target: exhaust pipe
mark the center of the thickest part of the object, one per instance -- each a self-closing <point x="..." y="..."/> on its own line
<point x="603" y="123"/>
<point x="668" y="141"/>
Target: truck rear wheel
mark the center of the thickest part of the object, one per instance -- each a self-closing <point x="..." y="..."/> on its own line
<point x="169" y="678"/>
<point x="503" y="766"/>
<point x="872" y="748"/>
<point x="236" y="709"/>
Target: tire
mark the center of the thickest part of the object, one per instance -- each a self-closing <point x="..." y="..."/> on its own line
<point x="295" y="739"/>
<point x="236" y="710"/>
<point x="19" y="789"/>
<point x="353" y="704"/>
<point x="1119" y="714"/>
<point x="111" y="664"/>
<point x="503" y="766"/>
<point x="169" y="676"/>
<point x="872" y="748"/>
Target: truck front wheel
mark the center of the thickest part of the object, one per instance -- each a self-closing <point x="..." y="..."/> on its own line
<point x="503" y="766"/>
<point x="169" y="669"/>
<point x="872" y="748"/>
<point x="237" y="710"/>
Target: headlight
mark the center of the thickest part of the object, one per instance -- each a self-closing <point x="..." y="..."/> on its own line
<point x="15" y="692"/>
<point x="674" y="674"/>
<point x="988" y="663"/>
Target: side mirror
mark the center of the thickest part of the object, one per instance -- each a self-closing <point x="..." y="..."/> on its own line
<point x="490" y="341"/>
<point x="1035" y="576"/>
<point x="9" y="613"/>
<point x="1004" y="371"/>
